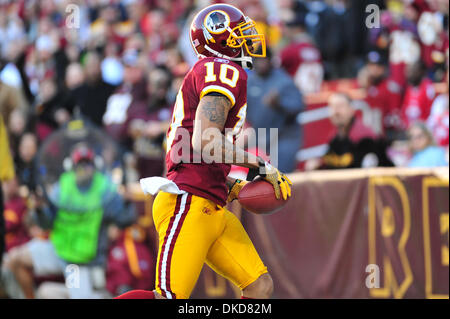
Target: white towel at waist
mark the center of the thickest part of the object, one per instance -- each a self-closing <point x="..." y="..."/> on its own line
<point x="152" y="185"/>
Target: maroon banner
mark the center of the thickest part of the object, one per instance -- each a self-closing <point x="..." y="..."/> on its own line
<point x="378" y="233"/>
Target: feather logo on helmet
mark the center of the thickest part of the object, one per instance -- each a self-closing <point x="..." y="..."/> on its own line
<point x="217" y="21"/>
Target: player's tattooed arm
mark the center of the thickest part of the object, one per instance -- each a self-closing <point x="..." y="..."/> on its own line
<point x="210" y="118"/>
<point x="215" y="109"/>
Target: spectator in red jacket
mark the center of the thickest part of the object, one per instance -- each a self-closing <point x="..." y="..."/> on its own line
<point x="419" y="95"/>
<point x="432" y="29"/>
<point x="301" y="59"/>
<point x="383" y="93"/>
<point x="438" y="121"/>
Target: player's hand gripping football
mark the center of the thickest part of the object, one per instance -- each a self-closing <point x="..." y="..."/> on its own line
<point x="280" y="182"/>
<point x="235" y="189"/>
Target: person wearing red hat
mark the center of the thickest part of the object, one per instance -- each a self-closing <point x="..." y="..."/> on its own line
<point x="83" y="163"/>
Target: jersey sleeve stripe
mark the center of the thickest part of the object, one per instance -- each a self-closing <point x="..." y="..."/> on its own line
<point x="219" y="89"/>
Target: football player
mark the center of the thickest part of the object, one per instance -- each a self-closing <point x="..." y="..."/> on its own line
<point x="189" y="211"/>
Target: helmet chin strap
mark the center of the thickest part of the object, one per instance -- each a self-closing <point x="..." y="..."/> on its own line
<point x="246" y="61"/>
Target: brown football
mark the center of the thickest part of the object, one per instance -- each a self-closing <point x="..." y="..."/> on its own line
<point x="258" y="197"/>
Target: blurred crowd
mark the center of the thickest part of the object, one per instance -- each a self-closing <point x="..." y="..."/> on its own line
<point x="118" y="65"/>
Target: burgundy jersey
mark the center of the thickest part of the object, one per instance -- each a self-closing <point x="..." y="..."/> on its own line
<point x="14" y="215"/>
<point x="417" y="102"/>
<point x="387" y="98"/>
<point x="191" y="173"/>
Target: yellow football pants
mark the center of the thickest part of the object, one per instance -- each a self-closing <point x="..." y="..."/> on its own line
<point x="194" y="230"/>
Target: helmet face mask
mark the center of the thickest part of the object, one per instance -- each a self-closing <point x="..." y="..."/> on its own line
<point x="245" y="35"/>
<point x="223" y="31"/>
